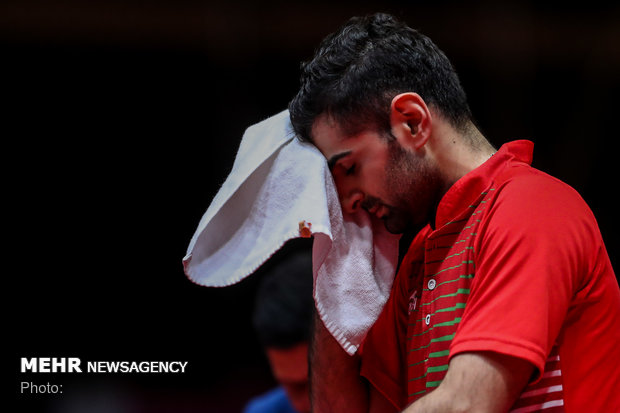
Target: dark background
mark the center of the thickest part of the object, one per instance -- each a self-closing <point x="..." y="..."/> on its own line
<point x="122" y="118"/>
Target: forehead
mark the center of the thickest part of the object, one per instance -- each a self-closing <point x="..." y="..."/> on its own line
<point x="327" y="135"/>
<point x="336" y="142"/>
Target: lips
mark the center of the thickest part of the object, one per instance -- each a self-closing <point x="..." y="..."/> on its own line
<point x="377" y="209"/>
<point x="373" y="209"/>
<point x="382" y="212"/>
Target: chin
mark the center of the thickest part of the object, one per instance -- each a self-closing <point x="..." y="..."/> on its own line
<point x="395" y="226"/>
<point x="403" y="224"/>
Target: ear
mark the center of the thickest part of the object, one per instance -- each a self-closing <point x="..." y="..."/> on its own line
<point x="410" y="120"/>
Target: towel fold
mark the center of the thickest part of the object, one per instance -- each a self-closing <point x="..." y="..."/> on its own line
<point x="281" y="188"/>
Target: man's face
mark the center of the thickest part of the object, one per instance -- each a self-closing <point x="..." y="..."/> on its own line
<point x="379" y="175"/>
<point x="290" y="368"/>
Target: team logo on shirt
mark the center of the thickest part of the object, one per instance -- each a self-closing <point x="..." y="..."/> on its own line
<point x="413" y="301"/>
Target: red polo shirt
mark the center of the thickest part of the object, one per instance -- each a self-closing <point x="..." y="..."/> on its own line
<point x="516" y="265"/>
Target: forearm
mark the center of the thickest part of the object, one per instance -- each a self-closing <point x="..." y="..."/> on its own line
<point x="433" y="402"/>
<point x="477" y="382"/>
<point x="335" y="383"/>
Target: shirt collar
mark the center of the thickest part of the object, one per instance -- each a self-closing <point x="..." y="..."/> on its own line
<point x="466" y="190"/>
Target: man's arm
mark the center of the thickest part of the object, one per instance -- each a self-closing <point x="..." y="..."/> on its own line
<point x="335" y="381"/>
<point x="477" y="382"/>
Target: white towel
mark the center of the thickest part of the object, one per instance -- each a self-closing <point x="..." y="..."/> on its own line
<point x="278" y="182"/>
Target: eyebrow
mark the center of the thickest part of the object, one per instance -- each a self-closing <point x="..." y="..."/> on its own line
<point x="332" y="161"/>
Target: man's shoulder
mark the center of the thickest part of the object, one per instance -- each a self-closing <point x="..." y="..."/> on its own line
<point x="527" y="201"/>
<point x="525" y="185"/>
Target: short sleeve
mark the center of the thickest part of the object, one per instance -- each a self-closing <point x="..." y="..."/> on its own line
<point x="530" y="255"/>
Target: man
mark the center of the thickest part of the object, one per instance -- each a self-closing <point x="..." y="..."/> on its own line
<point x="282" y="320"/>
<point x="506" y="299"/>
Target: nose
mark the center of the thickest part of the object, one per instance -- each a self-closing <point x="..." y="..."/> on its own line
<point x="349" y="193"/>
<point x="351" y="202"/>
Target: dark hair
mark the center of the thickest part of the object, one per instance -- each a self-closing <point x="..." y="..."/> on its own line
<point x="357" y="71"/>
<point x="284" y="303"/>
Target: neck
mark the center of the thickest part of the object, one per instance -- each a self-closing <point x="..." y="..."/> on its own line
<point x="457" y="153"/>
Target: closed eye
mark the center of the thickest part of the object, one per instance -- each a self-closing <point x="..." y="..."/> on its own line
<point x="350" y="170"/>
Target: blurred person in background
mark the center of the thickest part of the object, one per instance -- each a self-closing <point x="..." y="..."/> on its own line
<point x="282" y="319"/>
